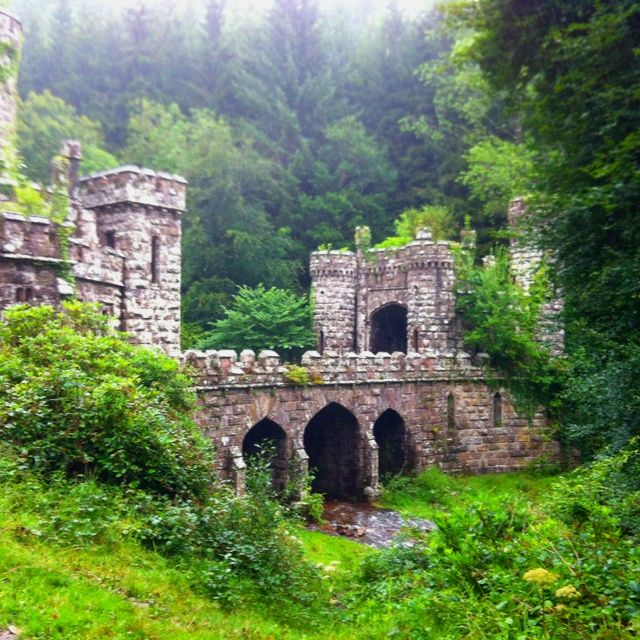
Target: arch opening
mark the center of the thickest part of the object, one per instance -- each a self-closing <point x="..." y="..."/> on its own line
<point x="332" y="442"/>
<point x="391" y="437"/>
<point x="268" y="436"/>
<point x="389" y="329"/>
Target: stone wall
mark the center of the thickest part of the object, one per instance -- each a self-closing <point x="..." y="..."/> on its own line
<point x="446" y="406"/>
<point x="30" y="263"/>
<point x="124" y="252"/>
<point x="10" y="45"/>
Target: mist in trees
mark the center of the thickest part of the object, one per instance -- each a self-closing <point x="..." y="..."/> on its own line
<point x="296" y="123"/>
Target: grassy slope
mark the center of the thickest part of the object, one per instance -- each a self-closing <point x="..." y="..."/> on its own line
<point x="124" y="591"/>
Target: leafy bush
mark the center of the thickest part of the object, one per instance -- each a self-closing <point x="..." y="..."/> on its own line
<point x="601" y="402"/>
<point x="98" y="447"/>
<point x="563" y="571"/>
<point x="76" y="398"/>
<point x="501" y="319"/>
<point x="438" y="219"/>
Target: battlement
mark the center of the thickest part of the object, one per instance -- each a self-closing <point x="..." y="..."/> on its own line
<point x="133" y="185"/>
<point x="226" y="369"/>
<point x="33" y="237"/>
<point x="419" y="254"/>
<point x="333" y="264"/>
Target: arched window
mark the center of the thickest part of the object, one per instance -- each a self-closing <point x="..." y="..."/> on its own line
<point x="497" y="410"/>
<point x="19" y="294"/>
<point x="451" y="412"/>
<point x="155" y="259"/>
<point x="389" y="329"/>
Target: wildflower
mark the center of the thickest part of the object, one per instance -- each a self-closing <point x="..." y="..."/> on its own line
<point x="567" y="591"/>
<point x="540" y="576"/>
<point x="560" y="607"/>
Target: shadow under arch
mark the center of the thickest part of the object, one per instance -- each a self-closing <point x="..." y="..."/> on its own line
<point x="268" y="436"/>
<point x="389" y="329"/>
<point x="390" y="434"/>
<point x="332" y="442"/>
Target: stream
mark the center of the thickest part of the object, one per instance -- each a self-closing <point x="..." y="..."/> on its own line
<point x="365" y="523"/>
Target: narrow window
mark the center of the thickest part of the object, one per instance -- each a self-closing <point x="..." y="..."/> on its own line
<point x="110" y="239"/>
<point x="416" y="336"/>
<point x="19" y="294"/>
<point x="80" y="254"/>
<point x="451" y="412"/>
<point x="497" y="410"/>
<point x="321" y="342"/>
<point x="155" y="259"/>
<point x="28" y="294"/>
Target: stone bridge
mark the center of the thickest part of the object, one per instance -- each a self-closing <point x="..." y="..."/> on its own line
<point x="363" y="416"/>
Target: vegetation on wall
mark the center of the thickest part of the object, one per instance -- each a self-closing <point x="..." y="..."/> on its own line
<point x="502" y="320"/>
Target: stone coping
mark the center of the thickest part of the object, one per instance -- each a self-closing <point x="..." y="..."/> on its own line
<point x="228" y="368"/>
<point x="132" y="168"/>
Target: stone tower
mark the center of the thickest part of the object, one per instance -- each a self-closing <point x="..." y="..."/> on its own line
<point x="385" y="300"/>
<point x="136" y="214"/>
<point x="10" y="45"/>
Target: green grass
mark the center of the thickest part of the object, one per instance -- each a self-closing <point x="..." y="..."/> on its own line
<point x="116" y="589"/>
<point x="321" y="547"/>
<point x="433" y="493"/>
<point x="117" y="592"/>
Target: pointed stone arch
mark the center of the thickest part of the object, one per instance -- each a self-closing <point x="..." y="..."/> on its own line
<point x="389" y="329"/>
<point x="268" y="434"/>
<point x="333" y="443"/>
<point x="390" y="434"/>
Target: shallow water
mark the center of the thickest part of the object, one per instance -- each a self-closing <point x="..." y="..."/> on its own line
<point x="365" y="523"/>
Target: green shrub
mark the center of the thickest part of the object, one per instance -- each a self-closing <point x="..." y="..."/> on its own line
<point x="77" y="398"/>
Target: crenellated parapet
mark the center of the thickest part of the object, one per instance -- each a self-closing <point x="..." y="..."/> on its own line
<point x="333" y="264"/>
<point x="227" y="369"/>
<point x="133" y="185"/>
<point x="29" y="237"/>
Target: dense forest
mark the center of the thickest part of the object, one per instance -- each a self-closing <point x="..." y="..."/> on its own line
<point x="293" y="125"/>
<point x="299" y="122"/>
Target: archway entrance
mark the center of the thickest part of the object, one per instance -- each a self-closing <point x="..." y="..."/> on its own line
<point x="268" y="437"/>
<point x="331" y="440"/>
<point x="389" y="329"/>
<point x="391" y="436"/>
